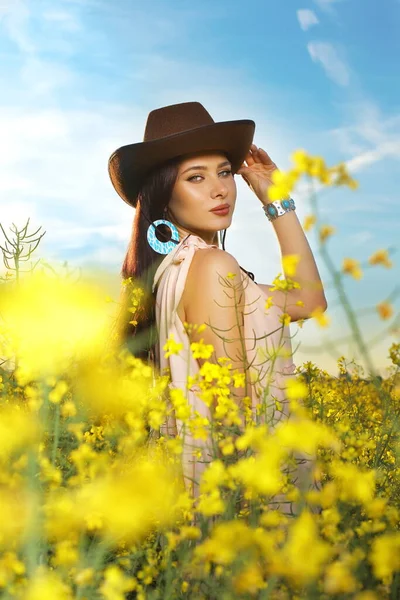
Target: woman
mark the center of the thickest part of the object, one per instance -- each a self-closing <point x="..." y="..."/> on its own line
<point x="182" y="171"/>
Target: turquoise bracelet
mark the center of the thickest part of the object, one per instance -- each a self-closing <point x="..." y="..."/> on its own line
<point x="276" y="209"/>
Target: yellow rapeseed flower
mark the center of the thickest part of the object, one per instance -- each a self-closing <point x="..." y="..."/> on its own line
<point x="309" y="221"/>
<point x="296" y="389"/>
<point x="319" y="170"/>
<point x="351" y="266"/>
<point x="70" y="318"/>
<point x="322" y="319"/>
<point x="58" y="392"/>
<point x="269" y="302"/>
<point x="302" y="161"/>
<point x="283" y="184"/>
<point x="339" y="579"/>
<point x="214" y="476"/>
<point x="285" y="319"/>
<point x="354" y="484"/>
<point x="249" y="580"/>
<point x="385" y="556"/>
<point x="211" y="504"/>
<point x="385" y="310"/>
<point x="380" y="257"/>
<point x="289" y="263"/>
<point x="144" y="491"/>
<point x="342" y="176"/>
<point x="172" y="346"/>
<point x="303" y="540"/>
<point x="47" y="584"/>
<point x="325" y="231"/>
<point x="201" y="350"/>
<point x="115" y="583"/>
<point x="306" y="435"/>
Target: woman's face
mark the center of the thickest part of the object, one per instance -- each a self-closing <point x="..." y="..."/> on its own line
<point x="204" y="181"/>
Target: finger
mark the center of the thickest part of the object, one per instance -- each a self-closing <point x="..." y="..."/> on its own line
<point x="249" y="159"/>
<point x="264" y="155"/>
<point x="255" y="153"/>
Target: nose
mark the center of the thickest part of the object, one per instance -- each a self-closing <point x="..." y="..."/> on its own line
<point x="219" y="189"/>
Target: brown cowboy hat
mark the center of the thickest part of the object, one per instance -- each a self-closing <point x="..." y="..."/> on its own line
<point x="172" y="131"/>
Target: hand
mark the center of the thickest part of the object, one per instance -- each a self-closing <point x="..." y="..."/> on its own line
<point x="258" y="172"/>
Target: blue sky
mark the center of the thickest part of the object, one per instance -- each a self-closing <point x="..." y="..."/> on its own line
<point x="79" y="77"/>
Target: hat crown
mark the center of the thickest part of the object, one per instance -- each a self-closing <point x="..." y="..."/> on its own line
<point x="176" y="118"/>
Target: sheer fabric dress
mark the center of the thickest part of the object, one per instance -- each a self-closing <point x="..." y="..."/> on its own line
<point x="267" y="342"/>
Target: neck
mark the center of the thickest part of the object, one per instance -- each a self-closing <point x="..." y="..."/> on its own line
<point x="210" y="237"/>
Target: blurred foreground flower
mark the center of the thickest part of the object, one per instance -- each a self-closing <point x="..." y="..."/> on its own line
<point x="48" y="320"/>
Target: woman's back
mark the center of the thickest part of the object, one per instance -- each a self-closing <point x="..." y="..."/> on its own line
<point x="265" y="342"/>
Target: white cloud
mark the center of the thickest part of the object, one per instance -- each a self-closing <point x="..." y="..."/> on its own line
<point x="370" y="137"/>
<point x="63" y="19"/>
<point x="14" y="15"/>
<point x="335" y="68"/>
<point x="327" y="5"/>
<point x="307" y="18"/>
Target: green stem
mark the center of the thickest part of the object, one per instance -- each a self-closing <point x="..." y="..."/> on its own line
<point x="351" y="317"/>
<point x="56" y="434"/>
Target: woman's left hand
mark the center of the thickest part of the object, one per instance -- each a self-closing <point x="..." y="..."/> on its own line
<point x="258" y="172"/>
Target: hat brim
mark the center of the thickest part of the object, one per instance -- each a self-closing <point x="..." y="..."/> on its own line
<point x="129" y="165"/>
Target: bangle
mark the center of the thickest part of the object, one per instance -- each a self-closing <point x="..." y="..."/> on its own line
<point x="276" y="209"/>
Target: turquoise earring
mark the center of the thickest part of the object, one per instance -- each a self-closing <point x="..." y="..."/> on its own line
<point x="156" y="244"/>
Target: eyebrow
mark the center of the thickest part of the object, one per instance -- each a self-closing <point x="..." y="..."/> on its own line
<point x="203" y="168"/>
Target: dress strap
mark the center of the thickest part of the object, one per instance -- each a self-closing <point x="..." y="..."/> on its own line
<point x="181" y="258"/>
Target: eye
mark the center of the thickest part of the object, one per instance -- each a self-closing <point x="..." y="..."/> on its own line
<point x="229" y="171"/>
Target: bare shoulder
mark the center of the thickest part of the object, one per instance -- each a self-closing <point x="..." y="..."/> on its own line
<point x="205" y="272"/>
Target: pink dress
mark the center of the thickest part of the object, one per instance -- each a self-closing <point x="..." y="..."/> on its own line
<point x="169" y="280"/>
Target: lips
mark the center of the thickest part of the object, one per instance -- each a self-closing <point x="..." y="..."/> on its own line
<point x="222" y="208"/>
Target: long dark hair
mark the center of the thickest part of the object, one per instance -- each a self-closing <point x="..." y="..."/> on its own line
<point x="141" y="263"/>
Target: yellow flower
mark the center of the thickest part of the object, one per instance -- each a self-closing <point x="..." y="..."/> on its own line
<point x="306" y="435"/>
<point x="227" y="446"/>
<point x="309" y="221"/>
<point x="339" y="579"/>
<point x="180" y="404"/>
<point x="299" y="303"/>
<point x="290" y="262"/>
<point x="385" y="310"/>
<point x="380" y="257"/>
<point x="322" y="319"/>
<point x="385" y="555"/>
<point x="211" y="504"/>
<point x="303" y="540"/>
<point x="285" y="319"/>
<point x="282" y="185"/>
<point x="201" y="350"/>
<point x="319" y="170"/>
<point x="355" y="485"/>
<point x="198" y="426"/>
<point x="352" y="267"/>
<point x="68" y="409"/>
<point x="47" y="584"/>
<point x="325" y="231"/>
<point x="85" y="576"/>
<point x="296" y="389"/>
<point x="343" y="177"/>
<point x="231" y="275"/>
<point x="171" y="346"/>
<point x="66" y="553"/>
<point x="269" y="302"/>
<point x="284" y="284"/>
<point x="116" y="583"/>
<point x="58" y="392"/>
<point x="302" y="161"/>
<point x="249" y="580"/>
